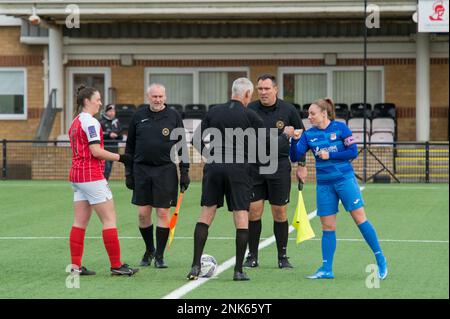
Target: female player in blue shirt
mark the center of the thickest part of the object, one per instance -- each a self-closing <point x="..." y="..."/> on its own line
<point x="333" y="147"/>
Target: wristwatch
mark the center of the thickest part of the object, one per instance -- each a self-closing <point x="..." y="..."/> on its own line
<point x="302" y="164"/>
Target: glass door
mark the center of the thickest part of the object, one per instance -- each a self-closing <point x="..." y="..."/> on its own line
<point x="98" y="78"/>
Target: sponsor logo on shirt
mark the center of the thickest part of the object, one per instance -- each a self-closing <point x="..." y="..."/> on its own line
<point x="92" y="131"/>
<point x="316" y="151"/>
<point x="330" y="149"/>
<point x="313" y="140"/>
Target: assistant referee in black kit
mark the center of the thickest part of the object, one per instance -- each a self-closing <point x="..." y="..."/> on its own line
<point x="153" y="176"/>
<point x="276" y="187"/>
<point x="229" y="179"/>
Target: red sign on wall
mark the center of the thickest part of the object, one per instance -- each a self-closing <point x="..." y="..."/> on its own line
<point x="433" y="15"/>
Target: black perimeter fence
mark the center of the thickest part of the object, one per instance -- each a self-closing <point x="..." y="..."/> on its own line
<point x="399" y="162"/>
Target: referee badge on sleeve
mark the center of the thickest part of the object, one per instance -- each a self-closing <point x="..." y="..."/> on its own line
<point x="165" y="131"/>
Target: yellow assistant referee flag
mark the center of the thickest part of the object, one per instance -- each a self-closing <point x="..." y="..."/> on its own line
<point x="301" y="221"/>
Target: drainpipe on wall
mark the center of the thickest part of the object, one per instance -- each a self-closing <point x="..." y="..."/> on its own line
<point x="422" y="87"/>
<point x="55" y="64"/>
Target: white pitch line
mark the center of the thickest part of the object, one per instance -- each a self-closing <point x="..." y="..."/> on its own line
<point x="178" y="293"/>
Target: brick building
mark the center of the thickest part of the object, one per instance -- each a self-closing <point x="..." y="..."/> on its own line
<point x="313" y="46"/>
<point x="196" y="48"/>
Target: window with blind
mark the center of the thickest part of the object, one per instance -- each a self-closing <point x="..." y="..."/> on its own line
<point x="303" y="86"/>
<point x="12" y="94"/>
<point x="187" y="86"/>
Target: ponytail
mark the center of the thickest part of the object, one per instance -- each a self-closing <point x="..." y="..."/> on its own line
<point x="326" y="104"/>
<point x="83" y="92"/>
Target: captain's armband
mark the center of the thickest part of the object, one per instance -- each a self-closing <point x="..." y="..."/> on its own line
<point x="349" y="141"/>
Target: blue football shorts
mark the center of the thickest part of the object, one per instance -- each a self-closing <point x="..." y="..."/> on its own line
<point x="328" y="197"/>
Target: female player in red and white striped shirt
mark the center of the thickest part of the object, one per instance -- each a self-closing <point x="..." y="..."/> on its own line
<point x="91" y="190"/>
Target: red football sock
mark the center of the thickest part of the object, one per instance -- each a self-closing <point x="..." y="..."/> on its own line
<point x="112" y="245"/>
<point x="77" y="245"/>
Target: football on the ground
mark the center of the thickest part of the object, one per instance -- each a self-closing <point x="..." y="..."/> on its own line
<point x="208" y="266"/>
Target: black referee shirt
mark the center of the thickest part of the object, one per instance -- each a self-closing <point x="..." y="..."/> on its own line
<point x="278" y="116"/>
<point x="149" y="136"/>
<point x="231" y="115"/>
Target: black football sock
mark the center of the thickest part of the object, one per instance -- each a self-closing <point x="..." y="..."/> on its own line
<point x="200" y="236"/>
<point x="147" y="235"/>
<point x="254" y="234"/>
<point x="241" y="245"/>
<point x="281" y="231"/>
<point x="162" y="234"/>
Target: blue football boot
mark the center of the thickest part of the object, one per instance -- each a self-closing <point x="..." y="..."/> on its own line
<point x="382" y="267"/>
<point x="322" y="274"/>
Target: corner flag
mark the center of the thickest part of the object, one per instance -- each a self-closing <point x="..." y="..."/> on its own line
<point x="301" y="221"/>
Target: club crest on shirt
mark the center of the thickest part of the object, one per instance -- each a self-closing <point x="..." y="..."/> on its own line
<point x="280" y="125"/>
<point x="332" y="136"/>
<point x="165" y="131"/>
<point x="92" y="132"/>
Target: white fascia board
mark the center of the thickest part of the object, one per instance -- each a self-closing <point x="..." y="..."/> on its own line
<point x="34" y="40"/>
<point x="104" y="10"/>
<point x="7" y="21"/>
<point x="218" y="56"/>
<point x="229" y="51"/>
<point x="239" y="41"/>
<point x="439" y="48"/>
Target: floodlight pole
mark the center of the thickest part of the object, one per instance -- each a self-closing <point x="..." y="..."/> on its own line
<point x="365" y="96"/>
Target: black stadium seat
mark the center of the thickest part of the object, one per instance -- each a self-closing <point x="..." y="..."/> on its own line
<point x="341" y="111"/>
<point x="195" y="111"/>
<point x="384" y="110"/>
<point x="357" y="110"/>
<point x="356" y="119"/>
<point x="384" y="123"/>
<point x="124" y="112"/>
<point x="178" y="108"/>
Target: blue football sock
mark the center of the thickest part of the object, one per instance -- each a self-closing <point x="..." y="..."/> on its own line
<point x="328" y="249"/>
<point x="370" y="235"/>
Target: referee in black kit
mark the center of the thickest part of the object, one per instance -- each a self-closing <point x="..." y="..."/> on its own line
<point x="275" y="187"/>
<point x="224" y="178"/>
<point x="153" y="177"/>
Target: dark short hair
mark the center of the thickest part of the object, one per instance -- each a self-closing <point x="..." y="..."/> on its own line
<point x="266" y="76"/>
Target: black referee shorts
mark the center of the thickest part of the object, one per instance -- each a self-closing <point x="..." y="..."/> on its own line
<point x="274" y="187"/>
<point x="156" y="186"/>
<point x="230" y="180"/>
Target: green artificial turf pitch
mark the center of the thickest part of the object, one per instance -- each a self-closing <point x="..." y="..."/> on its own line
<point x="411" y="221"/>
